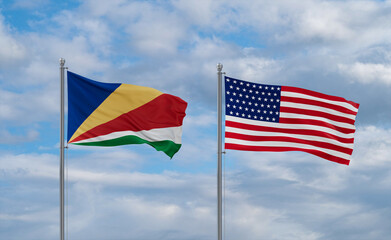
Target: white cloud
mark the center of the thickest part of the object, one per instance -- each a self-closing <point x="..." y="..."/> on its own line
<point x="8" y="138"/>
<point x="371" y="148"/>
<point x="367" y="73"/>
<point x="25" y="108"/>
<point x="11" y="49"/>
<point x="204" y="120"/>
<point x="156" y="34"/>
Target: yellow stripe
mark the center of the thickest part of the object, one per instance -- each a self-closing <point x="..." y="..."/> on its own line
<point x="124" y="99"/>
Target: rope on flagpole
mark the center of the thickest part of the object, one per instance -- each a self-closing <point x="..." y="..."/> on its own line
<point x="224" y="196"/>
<point x="219" y="151"/>
<point x="61" y="172"/>
<point x="66" y="193"/>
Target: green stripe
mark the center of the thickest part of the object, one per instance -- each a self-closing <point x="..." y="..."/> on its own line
<point x="167" y="146"/>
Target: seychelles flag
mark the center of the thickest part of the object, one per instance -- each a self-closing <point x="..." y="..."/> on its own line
<point x="113" y="114"/>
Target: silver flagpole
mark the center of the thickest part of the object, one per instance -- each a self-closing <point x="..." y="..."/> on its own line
<point x="219" y="153"/>
<point x="62" y="68"/>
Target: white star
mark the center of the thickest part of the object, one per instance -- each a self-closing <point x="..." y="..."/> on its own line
<point x="240" y="107"/>
<point x="228" y="92"/>
<point x="237" y="114"/>
<point x="256" y="92"/>
<point x="247" y="84"/>
<point x="256" y="104"/>
<point x="241" y="83"/>
<point x="243" y="114"/>
<point x="272" y="88"/>
<point x="271" y="100"/>
<point x="268" y="106"/>
<point x="231" y="100"/>
<point x="231" y="112"/>
<point x="278" y="88"/>
<point x="252" y="110"/>
<point x="267" y="118"/>
<point x="263" y="93"/>
<point x="234" y="93"/>
<point x="254" y="86"/>
<point x="246" y="109"/>
<point x="247" y="96"/>
<point x="237" y="88"/>
<point x="249" y="116"/>
<point x="234" y="81"/>
<point x="244" y="102"/>
<point x="249" y="103"/>
<point x="234" y="106"/>
<point x="231" y="86"/>
<point x="228" y="105"/>
<point x="266" y="87"/>
<point x="227" y="79"/>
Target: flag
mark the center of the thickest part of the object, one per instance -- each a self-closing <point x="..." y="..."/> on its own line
<point x="273" y="118"/>
<point x="112" y="114"/>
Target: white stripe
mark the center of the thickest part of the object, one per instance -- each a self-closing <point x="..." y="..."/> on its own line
<point x="303" y="116"/>
<point x="286" y="144"/>
<point x="316" y="108"/>
<point x="277" y="134"/>
<point x="154" y="135"/>
<point x="289" y="126"/>
<point x="305" y="96"/>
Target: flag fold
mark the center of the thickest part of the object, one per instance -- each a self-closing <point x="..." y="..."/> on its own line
<point x="113" y="114"/>
<point x="275" y="118"/>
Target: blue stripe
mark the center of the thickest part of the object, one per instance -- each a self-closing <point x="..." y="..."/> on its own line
<point x="84" y="96"/>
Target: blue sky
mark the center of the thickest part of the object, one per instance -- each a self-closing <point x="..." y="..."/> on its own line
<point x="340" y="48"/>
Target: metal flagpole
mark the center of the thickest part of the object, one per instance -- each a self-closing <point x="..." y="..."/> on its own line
<point x="62" y="68"/>
<point x="219" y="153"/>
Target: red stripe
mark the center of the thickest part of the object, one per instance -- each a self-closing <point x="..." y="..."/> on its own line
<point x="317" y="94"/>
<point x="317" y="103"/>
<point x="286" y="149"/>
<point x="316" y="123"/>
<point x="317" y="114"/>
<point x="289" y="139"/>
<point x="164" y="111"/>
<point x="308" y="132"/>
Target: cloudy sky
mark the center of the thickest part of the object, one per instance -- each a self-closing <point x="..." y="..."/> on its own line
<point x="337" y="47"/>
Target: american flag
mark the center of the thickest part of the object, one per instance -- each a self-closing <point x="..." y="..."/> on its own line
<point x="261" y="117"/>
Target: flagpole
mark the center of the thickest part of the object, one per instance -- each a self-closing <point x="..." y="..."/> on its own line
<point x="62" y="68"/>
<point x="219" y="153"/>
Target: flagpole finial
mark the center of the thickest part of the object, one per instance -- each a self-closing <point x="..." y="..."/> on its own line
<point x="219" y="67"/>
<point x="62" y="61"/>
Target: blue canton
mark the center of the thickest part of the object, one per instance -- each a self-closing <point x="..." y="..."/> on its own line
<point x="252" y="100"/>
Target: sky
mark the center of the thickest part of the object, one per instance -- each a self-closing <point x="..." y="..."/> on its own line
<point x="133" y="192"/>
